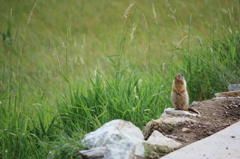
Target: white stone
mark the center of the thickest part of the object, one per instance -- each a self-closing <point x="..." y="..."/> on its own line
<point x="97" y="152"/>
<point x="125" y="149"/>
<point x="114" y="131"/>
<point x="158" y="138"/>
<point x="234" y="87"/>
<point x="171" y="112"/>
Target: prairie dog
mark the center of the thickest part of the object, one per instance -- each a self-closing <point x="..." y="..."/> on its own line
<point x="179" y="94"/>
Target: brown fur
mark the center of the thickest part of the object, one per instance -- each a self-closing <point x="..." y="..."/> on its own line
<point x="179" y="94"/>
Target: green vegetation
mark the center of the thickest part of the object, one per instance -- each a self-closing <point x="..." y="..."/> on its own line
<point x="67" y="67"/>
<point x="156" y="151"/>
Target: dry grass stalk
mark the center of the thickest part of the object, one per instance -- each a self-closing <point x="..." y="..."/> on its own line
<point x="181" y="41"/>
<point x="31" y="13"/>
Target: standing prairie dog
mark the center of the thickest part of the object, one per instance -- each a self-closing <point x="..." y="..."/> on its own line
<point x="179" y="94"/>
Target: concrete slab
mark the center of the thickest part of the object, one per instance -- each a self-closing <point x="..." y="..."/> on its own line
<point x="224" y="144"/>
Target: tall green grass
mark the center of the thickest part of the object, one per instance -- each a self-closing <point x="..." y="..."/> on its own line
<point x="213" y="66"/>
<point x="129" y="96"/>
<point x="66" y="68"/>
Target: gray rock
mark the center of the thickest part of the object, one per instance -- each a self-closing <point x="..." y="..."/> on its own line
<point x="125" y="149"/>
<point x="158" y="138"/>
<point x="164" y="124"/>
<point x="228" y="94"/>
<point x="194" y="103"/>
<point x="94" y="153"/>
<point x="171" y="112"/>
<point x="114" y="131"/>
<point x="234" y="87"/>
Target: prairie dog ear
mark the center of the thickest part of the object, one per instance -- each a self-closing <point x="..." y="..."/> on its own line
<point x="176" y="76"/>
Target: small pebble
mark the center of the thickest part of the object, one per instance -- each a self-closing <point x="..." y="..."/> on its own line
<point x="185" y="130"/>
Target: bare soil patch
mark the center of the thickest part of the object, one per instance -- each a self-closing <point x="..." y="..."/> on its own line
<point x="216" y="114"/>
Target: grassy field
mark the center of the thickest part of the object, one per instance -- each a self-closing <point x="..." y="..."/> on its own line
<point x="67" y="67"/>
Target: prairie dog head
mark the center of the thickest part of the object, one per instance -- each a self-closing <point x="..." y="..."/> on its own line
<point x="179" y="76"/>
<point x="179" y="80"/>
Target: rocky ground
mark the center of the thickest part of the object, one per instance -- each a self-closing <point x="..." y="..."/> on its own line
<point x="122" y="139"/>
<point x="216" y="114"/>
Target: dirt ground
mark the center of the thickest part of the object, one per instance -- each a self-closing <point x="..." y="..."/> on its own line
<point x="216" y="114"/>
